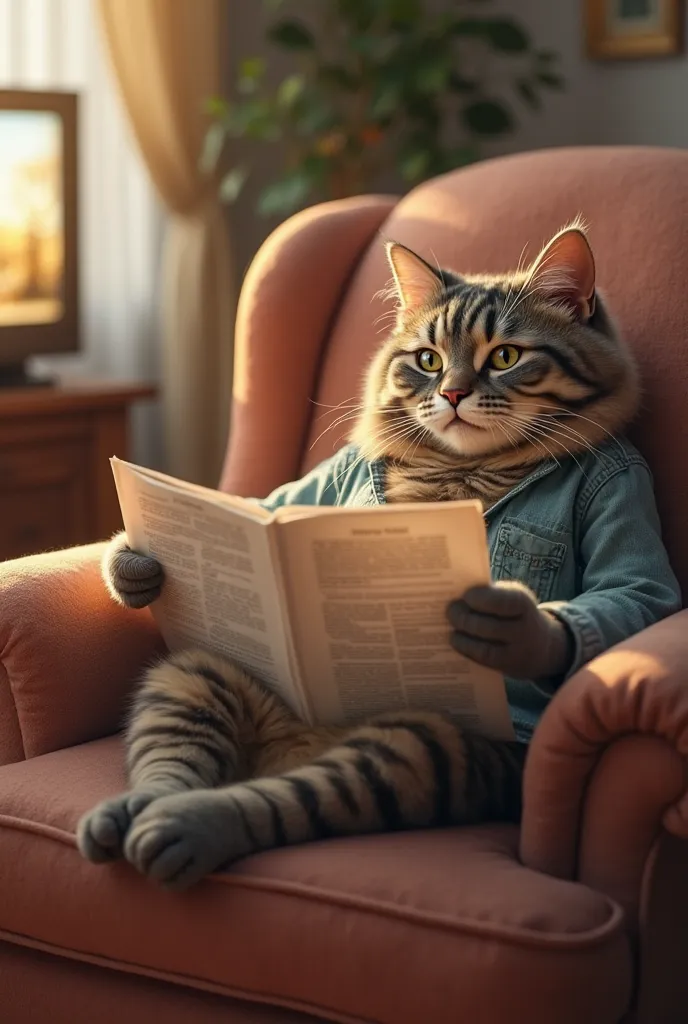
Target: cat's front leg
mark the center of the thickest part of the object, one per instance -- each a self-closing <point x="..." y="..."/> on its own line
<point x="133" y="580"/>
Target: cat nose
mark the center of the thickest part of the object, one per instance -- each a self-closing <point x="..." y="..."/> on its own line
<point x="454" y="395"/>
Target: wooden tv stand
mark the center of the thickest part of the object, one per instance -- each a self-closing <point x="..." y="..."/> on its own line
<point x="56" y="486"/>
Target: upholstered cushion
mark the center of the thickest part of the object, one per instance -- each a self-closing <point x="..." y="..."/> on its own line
<point x="404" y="928"/>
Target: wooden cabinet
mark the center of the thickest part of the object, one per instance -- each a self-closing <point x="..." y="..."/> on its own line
<point x="56" y="486"/>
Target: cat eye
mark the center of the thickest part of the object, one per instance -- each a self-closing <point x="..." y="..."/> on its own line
<point x="505" y="357"/>
<point x="429" y="361"/>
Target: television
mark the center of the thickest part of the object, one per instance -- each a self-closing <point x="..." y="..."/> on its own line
<point x="39" y="287"/>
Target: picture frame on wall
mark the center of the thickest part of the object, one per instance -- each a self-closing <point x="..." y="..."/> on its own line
<point x="634" y="28"/>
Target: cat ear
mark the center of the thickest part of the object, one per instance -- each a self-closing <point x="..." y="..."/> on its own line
<point x="564" y="273"/>
<point x="415" y="281"/>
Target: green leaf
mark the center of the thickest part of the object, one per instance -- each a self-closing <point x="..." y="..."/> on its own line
<point x="488" y="117"/>
<point x="315" y="167"/>
<point x="251" y="70"/>
<point x="507" y="36"/>
<point x="291" y="34"/>
<point x="470" y="27"/>
<point x="461" y="84"/>
<point x="385" y="101"/>
<point x="502" y="33"/>
<point x="232" y="184"/>
<point x="252" y="67"/>
<point x="359" y="13"/>
<point x="414" y="165"/>
<point x="254" y="119"/>
<point x="314" y="115"/>
<point x="213" y="144"/>
<point x="404" y="12"/>
<point x="285" y="196"/>
<point x="365" y="45"/>
<point x="432" y="77"/>
<point x="289" y="91"/>
<point x="528" y="93"/>
<point x="426" y="110"/>
<point x="461" y="156"/>
<point x="216" y="106"/>
<point x="338" y="76"/>
<point x="550" y="79"/>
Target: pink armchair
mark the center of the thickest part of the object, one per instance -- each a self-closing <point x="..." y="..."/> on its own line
<point x="582" y="914"/>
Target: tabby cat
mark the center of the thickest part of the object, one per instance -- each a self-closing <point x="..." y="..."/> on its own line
<point x="465" y="397"/>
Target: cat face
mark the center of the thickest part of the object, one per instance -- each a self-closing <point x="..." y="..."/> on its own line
<point x="523" y="365"/>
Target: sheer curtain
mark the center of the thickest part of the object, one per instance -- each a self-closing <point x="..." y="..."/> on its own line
<point x="58" y="44"/>
<point x="169" y="56"/>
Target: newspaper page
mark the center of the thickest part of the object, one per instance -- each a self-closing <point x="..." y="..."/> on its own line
<point x="368" y="591"/>
<point x="220" y="590"/>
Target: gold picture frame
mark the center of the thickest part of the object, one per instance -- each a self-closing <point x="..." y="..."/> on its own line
<point x="617" y="29"/>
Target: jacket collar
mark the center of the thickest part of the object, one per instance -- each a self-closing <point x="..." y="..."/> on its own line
<point x="376" y="471"/>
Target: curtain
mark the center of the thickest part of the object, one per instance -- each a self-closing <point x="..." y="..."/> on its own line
<point x="57" y="44"/>
<point x="168" y="58"/>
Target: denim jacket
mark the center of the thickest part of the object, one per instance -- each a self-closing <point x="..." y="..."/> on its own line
<point x="584" y="535"/>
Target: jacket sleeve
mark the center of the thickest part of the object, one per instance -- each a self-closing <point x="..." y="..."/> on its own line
<point x="626" y="580"/>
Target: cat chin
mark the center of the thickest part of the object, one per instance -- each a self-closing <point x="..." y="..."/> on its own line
<point x="462" y="438"/>
<point x="459" y="436"/>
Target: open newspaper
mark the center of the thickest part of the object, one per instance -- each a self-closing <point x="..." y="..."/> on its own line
<point x="341" y="611"/>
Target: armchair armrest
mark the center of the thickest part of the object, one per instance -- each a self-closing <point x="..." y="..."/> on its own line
<point x="68" y="653"/>
<point x="606" y="772"/>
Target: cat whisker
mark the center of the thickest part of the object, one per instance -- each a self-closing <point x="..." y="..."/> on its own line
<point x="397" y="433"/>
<point x="557" y="431"/>
<point x="502" y="427"/>
<point x="587" y="419"/>
<point x="422" y="432"/>
<point x="353" y="413"/>
<point x="325" y="405"/>
<point x="558" y="411"/>
<point x="528" y="435"/>
<point x="573" y="435"/>
<point x="510" y="292"/>
<point x="540" y="433"/>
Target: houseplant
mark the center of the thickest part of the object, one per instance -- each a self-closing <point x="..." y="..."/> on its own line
<point x="376" y="85"/>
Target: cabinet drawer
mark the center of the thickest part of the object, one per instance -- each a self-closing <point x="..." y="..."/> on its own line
<point x="33" y="465"/>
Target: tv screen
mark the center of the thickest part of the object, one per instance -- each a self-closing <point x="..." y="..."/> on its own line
<point x="31" y="217"/>
<point x="38" y="225"/>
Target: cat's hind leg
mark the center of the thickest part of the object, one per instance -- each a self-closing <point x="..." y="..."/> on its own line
<point x="412" y="770"/>
<point x="190" y="725"/>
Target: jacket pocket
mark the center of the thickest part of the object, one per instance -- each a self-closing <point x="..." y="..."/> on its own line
<point x="522" y="553"/>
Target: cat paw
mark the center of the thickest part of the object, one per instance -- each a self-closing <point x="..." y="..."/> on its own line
<point x="101" y="832"/>
<point x="179" y="839"/>
<point x="133" y="580"/>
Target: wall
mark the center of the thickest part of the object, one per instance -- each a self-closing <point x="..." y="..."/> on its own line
<point x="637" y="102"/>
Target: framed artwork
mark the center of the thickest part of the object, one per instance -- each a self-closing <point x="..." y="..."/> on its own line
<point x="634" y="28"/>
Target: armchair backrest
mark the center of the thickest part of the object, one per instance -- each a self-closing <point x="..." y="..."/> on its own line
<point x="315" y="317"/>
